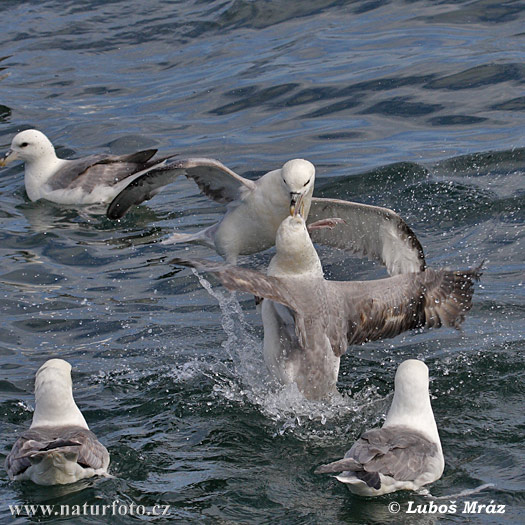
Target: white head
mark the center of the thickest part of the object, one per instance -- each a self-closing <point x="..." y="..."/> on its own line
<point x="29" y="145"/>
<point x="411" y="381"/>
<point x="411" y="404"/>
<point x="295" y="252"/>
<point x="54" y="403"/>
<point x="298" y="177"/>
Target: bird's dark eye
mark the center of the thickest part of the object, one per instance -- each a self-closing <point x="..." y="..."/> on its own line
<point x="307" y="182"/>
<point x="24" y="144"/>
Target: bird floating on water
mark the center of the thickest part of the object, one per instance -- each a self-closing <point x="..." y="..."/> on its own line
<point x="95" y="179"/>
<point x="58" y="448"/>
<point x="309" y="321"/>
<point x="257" y="208"/>
<point x="405" y="453"/>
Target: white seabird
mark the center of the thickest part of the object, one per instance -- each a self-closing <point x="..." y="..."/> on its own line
<point x="405" y="453"/>
<point x="95" y="179"/>
<point x="58" y="448"/>
<point x="257" y="208"/>
<point x="309" y="322"/>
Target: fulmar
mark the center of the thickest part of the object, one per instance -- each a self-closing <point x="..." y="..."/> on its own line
<point x="405" y="453"/>
<point x="309" y="321"/>
<point x="95" y="179"/>
<point x="257" y="208"/>
<point x="58" y="448"/>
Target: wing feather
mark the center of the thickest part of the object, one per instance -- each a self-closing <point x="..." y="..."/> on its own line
<point x="385" y="308"/>
<point x="398" y="452"/>
<point x="36" y="442"/>
<point x="245" y="280"/>
<point x="379" y="233"/>
<point x="213" y="178"/>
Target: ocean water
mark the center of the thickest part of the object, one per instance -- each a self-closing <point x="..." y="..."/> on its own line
<point x="414" y="105"/>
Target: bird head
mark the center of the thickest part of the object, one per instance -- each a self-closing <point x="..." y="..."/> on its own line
<point x="298" y="177"/>
<point x="295" y="253"/>
<point x="28" y="145"/>
<point x="412" y="378"/>
<point x="55" y="371"/>
<point x="54" y="402"/>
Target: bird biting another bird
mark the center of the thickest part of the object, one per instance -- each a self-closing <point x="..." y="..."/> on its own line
<point x="309" y="321"/>
<point x="257" y="208"/>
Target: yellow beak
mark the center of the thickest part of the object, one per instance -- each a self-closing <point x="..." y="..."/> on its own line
<point x="7" y="158"/>
<point x="297" y="206"/>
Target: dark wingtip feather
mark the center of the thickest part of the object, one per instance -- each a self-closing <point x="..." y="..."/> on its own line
<point x="448" y="304"/>
<point x="412" y="239"/>
<point x="372" y="479"/>
<point x="127" y="198"/>
<point x="116" y="210"/>
<point x="143" y="188"/>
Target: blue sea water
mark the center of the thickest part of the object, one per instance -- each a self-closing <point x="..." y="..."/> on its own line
<point x="415" y="105"/>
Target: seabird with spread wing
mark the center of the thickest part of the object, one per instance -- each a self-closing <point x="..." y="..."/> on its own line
<point x="257" y="208"/>
<point x="309" y="321"/>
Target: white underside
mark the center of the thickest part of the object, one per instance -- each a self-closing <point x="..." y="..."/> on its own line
<point x="250" y="224"/>
<point x="315" y="370"/>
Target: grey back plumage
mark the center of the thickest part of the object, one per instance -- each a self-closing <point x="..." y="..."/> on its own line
<point x="399" y="452"/>
<point x="34" y="442"/>
<point x="89" y="172"/>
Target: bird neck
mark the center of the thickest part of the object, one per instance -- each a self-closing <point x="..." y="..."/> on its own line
<point x="55" y="406"/>
<point x="415" y="413"/>
<point x="271" y="187"/>
<point x="38" y="171"/>
<point x="296" y="262"/>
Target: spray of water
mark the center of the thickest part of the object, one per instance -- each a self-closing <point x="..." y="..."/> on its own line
<point x="249" y="383"/>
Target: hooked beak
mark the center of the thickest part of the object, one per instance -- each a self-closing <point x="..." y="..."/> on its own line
<point x="297" y="204"/>
<point x="8" y="157"/>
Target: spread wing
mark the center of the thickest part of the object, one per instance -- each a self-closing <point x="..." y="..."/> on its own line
<point x="213" y="178"/>
<point x="377" y="232"/>
<point x="245" y="280"/>
<point x="108" y="170"/>
<point x="305" y="301"/>
<point x="398" y="452"/>
<point x="35" y="443"/>
<point x="384" y="308"/>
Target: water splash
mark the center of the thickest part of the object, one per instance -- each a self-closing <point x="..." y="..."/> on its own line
<point x="248" y="383"/>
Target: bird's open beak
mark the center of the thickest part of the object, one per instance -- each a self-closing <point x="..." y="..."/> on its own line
<point x="8" y="157"/>
<point x="297" y="205"/>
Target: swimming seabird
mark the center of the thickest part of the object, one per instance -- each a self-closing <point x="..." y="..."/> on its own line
<point x="95" y="179"/>
<point x="58" y="448"/>
<point x="405" y="453"/>
<point x="257" y="208"/>
<point x="309" y="322"/>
